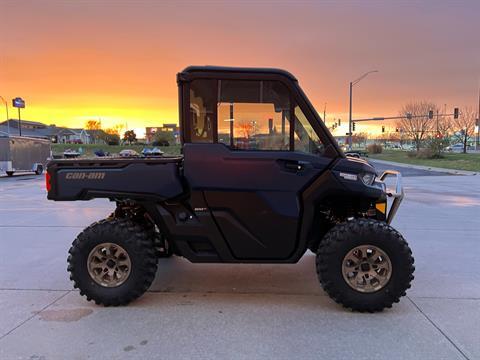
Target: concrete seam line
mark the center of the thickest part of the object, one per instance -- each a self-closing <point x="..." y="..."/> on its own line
<point x="42" y="226"/>
<point x="23" y="289"/>
<point x="439" y="330"/>
<point x="31" y="317"/>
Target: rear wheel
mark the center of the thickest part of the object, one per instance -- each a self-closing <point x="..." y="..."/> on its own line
<point x="365" y="265"/>
<point x="112" y="262"/>
<point x="39" y="170"/>
<point x="9" y="173"/>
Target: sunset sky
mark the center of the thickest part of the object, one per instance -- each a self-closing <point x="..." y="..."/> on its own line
<point x="116" y="60"/>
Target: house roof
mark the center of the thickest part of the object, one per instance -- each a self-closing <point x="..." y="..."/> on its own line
<point x="14" y="123"/>
<point x="40" y="133"/>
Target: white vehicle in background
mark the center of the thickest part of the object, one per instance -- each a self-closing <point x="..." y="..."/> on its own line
<point x="23" y="154"/>
<point x="128" y="153"/>
<point x="455" y="148"/>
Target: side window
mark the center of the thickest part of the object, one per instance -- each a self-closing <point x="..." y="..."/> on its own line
<point x="202" y="110"/>
<point x="253" y="115"/>
<point x="305" y="138"/>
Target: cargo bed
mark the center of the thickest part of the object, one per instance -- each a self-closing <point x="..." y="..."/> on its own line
<point x="115" y="178"/>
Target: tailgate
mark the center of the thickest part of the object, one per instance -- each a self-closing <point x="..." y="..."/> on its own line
<point x="159" y="179"/>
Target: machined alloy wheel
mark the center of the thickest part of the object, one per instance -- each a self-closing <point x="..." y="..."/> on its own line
<point x="366" y="268"/>
<point x="109" y="264"/>
<point x="364" y="264"/>
<point x="113" y="261"/>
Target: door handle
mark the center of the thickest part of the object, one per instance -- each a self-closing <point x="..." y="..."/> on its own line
<point x="296" y="166"/>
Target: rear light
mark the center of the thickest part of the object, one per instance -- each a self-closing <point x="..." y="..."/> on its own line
<point x="47" y="181"/>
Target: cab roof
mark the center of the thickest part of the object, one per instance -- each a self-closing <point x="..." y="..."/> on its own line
<point x="227" y="69"/>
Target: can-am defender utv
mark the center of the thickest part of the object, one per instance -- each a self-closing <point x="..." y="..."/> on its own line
<point x="261" y="180"/>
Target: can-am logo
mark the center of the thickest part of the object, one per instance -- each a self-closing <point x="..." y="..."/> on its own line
<point x="85" y="176"/>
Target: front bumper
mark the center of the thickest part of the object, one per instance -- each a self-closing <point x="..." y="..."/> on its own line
<point x="396" y="193"/>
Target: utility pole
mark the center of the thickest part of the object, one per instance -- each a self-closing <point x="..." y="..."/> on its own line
<point x="325" y="114"/>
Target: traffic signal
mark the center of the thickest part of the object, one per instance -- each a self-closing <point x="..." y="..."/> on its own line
<point x="430" y="114"/>
<point x="339" y="122"/>
<point x="397" y="129"/>
<point x="353" y="126"/>
<point x="383" y="129"/>
<point x="455" y="113"/>
<point x="409" y="116"/>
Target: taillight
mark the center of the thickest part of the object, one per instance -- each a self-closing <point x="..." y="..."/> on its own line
<point x="47" y="181"/>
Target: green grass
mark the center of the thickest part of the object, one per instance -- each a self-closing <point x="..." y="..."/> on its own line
<point x="88" y="150"/>
<point x="470" y="162"/>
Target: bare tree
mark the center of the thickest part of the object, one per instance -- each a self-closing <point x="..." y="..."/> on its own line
<point x="417" y="125"/>
<point x="93" y="127"/>
<point x="359" y="138"/>
<point x="464" y="126"/>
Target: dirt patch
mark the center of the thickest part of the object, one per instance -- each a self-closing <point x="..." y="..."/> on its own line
<point x="66" y="315"/>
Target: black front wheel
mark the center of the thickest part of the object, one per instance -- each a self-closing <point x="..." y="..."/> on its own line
<point x="113" y="261"/>
<point x="365" y="265"/>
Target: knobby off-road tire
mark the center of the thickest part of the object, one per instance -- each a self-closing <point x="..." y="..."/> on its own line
<point x="130" y="238"/>
<point x="162" y="247"/>
<point x="345" y="238"/>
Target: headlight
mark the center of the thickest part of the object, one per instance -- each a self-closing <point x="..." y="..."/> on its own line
<point x="368" y="178"/>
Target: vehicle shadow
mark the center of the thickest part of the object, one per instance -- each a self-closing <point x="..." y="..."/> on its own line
<point x="178" y="275"/>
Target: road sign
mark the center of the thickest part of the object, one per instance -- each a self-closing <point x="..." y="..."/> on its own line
<point x="18" y="103"/>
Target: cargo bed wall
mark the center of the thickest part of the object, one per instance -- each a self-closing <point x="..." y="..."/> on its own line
<point x="134" y="179"/>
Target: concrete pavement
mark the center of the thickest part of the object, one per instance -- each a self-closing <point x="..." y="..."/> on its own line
<point x="204" y="311"/>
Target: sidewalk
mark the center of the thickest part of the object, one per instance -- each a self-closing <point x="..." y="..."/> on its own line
<point x="426" y="168"/>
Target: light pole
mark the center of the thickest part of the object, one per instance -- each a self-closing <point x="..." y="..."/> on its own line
<point x="6" y="110"/>
<point x="478" y="121"/>
<point x="350" y="112"/>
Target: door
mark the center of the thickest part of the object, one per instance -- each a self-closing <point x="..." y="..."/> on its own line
<point x="251" y="162"/>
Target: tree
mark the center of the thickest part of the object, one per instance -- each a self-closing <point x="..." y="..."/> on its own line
<point x="416" y="125"/>
<point x="162" y="137"/>
<point x="114" y="130"/>
<point x="464" y="126"/>
<point x="130" y="136"/>
<point x="94" y="127"/>
<point x="359" y="138"/>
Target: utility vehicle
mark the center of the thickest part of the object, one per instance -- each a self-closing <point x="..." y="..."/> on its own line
<point x="260" y="180"/>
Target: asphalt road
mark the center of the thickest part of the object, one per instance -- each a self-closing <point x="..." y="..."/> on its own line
<point x="206" y="311"/>
<point x="406" y="171"/>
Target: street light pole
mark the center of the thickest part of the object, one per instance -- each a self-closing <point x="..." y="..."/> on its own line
<point x="350" y="120"/>
<point x="350" y="112"/>
<point x="478" y="121"/>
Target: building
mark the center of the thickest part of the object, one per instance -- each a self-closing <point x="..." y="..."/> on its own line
<point x="73" y="136"/>
<point x="151" y="131"/>
<point x="29" y="128"/>
<point x="39" y="130"/>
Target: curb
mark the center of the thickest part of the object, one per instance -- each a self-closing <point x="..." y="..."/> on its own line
<point x="428" y="168"/>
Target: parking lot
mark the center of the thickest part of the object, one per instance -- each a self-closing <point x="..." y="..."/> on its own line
<point x="204" y="311"/>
